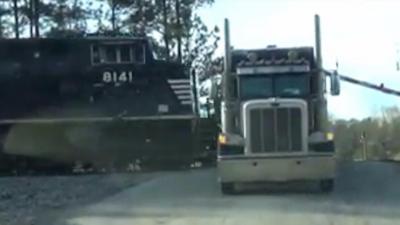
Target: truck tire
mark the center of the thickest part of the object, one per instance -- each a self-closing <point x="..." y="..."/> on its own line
<point x="327" y="186"/>
<point x="227" y="188"/>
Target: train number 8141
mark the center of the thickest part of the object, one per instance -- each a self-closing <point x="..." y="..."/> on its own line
<point x="117" y="77"/>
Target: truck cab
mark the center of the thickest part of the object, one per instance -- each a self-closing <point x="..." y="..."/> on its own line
<point x="277" y="110"/>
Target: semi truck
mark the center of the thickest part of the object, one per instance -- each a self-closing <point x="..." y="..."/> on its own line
<point x="273" y="115"/>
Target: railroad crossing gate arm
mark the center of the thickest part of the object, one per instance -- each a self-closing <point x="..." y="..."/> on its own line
<point x="380" y="87"/>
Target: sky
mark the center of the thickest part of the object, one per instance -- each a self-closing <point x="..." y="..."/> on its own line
<point x="363" y="36"/>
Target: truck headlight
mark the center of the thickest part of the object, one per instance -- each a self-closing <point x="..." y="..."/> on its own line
<point x="230" y="139"/>
<point x="321" y="142"/>
<point x="329" y="136"/>
<point x="317" y="137"/>
<point x="222" y="139"/>
<point x="230" y="144"/>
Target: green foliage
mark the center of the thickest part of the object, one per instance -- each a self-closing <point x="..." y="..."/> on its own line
<point x="176" y="24"/>
<point x="67" y="15"/>
<point x="204" y="43"/>
<point x="56" y="17"/>
<point x="378" y="136"/>
<point x="6" y="17"/>
<point x="177" y="30"/>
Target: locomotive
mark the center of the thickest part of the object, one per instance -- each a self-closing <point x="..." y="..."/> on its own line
<point x="98" y="100"/>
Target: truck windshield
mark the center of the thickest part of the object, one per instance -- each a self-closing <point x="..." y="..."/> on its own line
<point x="291" y="86"/>
<point x="261" y="86"/>
<point x="256" y="87"/>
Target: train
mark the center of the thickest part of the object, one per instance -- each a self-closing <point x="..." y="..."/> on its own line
<point x="101" y="101"/>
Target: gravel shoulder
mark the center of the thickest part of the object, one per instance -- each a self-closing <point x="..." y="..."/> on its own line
<point x="24" y="200"/>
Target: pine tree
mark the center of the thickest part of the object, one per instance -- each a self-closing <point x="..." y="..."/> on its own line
<point x="67" y="18"/>
<point x="179" y="33"/>
<point x="182" y="35"/>
<point x="6" y="17"/>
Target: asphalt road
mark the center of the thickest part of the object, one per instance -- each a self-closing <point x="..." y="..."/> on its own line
<point x="367" y="193"/>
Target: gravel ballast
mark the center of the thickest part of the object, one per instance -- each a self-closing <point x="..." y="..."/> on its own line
<point x="24" y="199"/>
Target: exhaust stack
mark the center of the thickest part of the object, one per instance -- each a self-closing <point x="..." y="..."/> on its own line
<point x="322" y="111"/>
<point x="227" y="119"/>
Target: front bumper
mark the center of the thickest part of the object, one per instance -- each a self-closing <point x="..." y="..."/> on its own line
<point x="276" y="168"/>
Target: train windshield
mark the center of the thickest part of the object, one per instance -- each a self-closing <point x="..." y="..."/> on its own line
<point x="117" y="53"/>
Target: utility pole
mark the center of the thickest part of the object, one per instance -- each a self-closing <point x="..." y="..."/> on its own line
<point x="364" y="145"/>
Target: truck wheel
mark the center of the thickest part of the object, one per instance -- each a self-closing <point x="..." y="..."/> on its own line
<point x="227" y="188"/>
<point x="327" y="186"/>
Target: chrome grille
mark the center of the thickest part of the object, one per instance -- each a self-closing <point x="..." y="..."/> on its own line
<point x="275" y="130"/>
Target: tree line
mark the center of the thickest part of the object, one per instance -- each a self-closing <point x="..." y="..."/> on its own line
<point x="371" y="138"/>
<point x="175" y="26"/>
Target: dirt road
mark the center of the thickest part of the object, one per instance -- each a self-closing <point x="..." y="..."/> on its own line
<point x="366" y="193"/>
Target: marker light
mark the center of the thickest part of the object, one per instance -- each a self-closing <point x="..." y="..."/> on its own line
<point x="252" y="56"/>
<point x="293" y="55"/>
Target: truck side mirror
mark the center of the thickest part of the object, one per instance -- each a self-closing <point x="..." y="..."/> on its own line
<point x="335" y="84"/>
